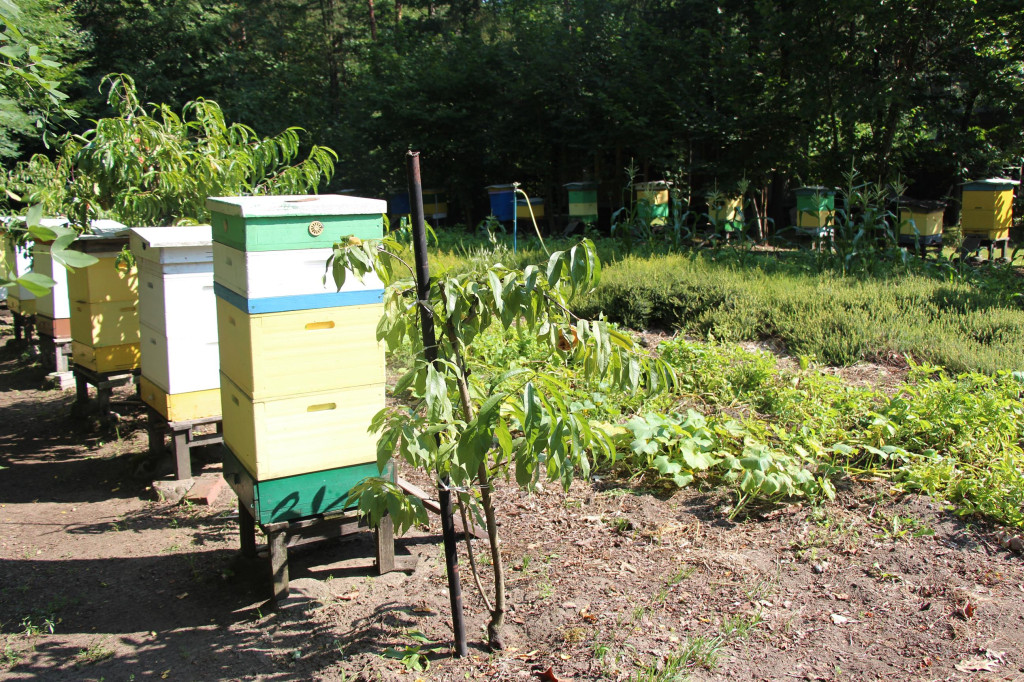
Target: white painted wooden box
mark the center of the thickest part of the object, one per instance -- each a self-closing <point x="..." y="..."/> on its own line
<point x="270" y="274"/>
<point x="179" y="364"/>
<point x="54" y="305"/>
<point x="19" y="261"/>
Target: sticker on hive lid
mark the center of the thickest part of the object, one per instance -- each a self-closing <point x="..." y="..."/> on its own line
<point x="281" y="223"/>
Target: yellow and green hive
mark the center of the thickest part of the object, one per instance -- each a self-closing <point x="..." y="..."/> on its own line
<point x="726" y="213"/>
<point x="815" y="208"/>
<point x="653" y="200"/>
<point x="920" y="222"/>
<point x="302" y="373"/>
<point x="582" y="201"/>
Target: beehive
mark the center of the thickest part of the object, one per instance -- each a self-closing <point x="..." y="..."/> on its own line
<point x="920" y="221"/>
<point x="435" y="204"/>
<point x="104" y="305"/>
<point x="178" y="321"/>
<point x="53" y="311"/>
<point x="582" y="201"/>
<point x="18" y="262"/>
<point x="503" y="202"/>
<point x="987" y="208"/>
<point x="302" y="373"/>
<point x="727" y="213"/>
<point x="654" y="196"/>
<point x="523" y="210"/>
<point x="815" y="207"/>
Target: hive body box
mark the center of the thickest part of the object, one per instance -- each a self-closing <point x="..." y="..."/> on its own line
<point x="728" y="214"/>
<point x="655" y="194"/>
<point x="815" y="207"/>
<point x="921" y="222"/>
<point x="53" y="311"/>
<point x="104" y="302"/>
<point x="19" y="261"/>
<point x="178" y="321"/>
<point x="502" y="198"/>
<point x="523" y="209"/>
<point x="987" y="208"/>
<point x="582" y="201"/>
<point x="301" y="371"/>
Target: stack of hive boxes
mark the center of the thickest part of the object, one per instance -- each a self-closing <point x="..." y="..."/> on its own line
<point x="177" y="321"/>
<point x="302" y="373"/>
<point x="104" y="301"/>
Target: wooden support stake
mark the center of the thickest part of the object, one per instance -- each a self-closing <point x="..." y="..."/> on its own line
<point x="384" y="534"/>
<point x="182" y="459"/>
<point x="246" y="531"/>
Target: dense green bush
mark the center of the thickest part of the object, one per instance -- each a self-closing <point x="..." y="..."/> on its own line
<point x="964" y="322"/>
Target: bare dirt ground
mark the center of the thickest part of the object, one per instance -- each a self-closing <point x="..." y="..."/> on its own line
<point x="100" y="581"/>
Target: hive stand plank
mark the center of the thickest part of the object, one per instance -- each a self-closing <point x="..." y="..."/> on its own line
<point x="246" y="531"/>
<point x="182" y="439"/>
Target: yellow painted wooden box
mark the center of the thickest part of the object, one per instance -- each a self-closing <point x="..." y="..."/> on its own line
<point x="106" y="359"/>
<point x="987" y="212"/>
<point x="102" y="282"/>
<point x="277" y="354"/>
<point x="112" y="323"/>
<point x="300" y="433"/>
<point x="180" y="407"/>
<point x="927" y="224"/>
<point x="25" y="307"/>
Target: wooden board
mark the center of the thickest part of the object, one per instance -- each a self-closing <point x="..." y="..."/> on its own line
<point x="275" y="274"/>
<point x="180" y="407"/>
<point x="181" y="363"/>
<point x="54" y="304"/>
<point x="295" y="497"/>
<point x="26" y="307"/>
<point x="282" y="304"/>
<point x="178" y="304"/>
<point x="302" y="351"/>
<point x="103" y="282"/>
<point x="107" y="359"/>
<point x="300" y="433"/>
<point x="111" y="323"/>
<point x="56" y="329"/>
<point x="172" y="245"/>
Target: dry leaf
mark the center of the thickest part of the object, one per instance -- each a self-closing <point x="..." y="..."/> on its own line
<point x="549" y="675"/>
<point x="974" y="665"/>
<point x="839" y="620"/>
<point x="349" y="596"/>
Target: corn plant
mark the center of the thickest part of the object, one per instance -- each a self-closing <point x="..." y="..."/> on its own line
<point x="470" y="427"/>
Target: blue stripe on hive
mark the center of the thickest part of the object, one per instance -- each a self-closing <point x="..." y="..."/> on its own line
<point x="283" y="304"/>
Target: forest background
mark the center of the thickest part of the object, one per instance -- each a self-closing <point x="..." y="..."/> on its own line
<point x="544" y="92"/>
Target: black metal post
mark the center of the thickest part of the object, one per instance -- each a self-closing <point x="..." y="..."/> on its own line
<point x="419" y="243"/>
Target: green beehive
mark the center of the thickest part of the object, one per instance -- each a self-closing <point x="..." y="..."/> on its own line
<point x="815" y="207"/>
<point x="727" y="213"/>
<point x="582" y="201"/>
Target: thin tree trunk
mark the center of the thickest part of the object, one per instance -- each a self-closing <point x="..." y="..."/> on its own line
<point x="331" y="61"/>
<point x="497" y="623"/>
<point x="398" y="12"/>
<point x="373" y="20"/>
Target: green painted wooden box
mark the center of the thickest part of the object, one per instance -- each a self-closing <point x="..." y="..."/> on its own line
<point x="281" y="223"/>
<point x="582" y="201"/>
<point x="296" y="497"/>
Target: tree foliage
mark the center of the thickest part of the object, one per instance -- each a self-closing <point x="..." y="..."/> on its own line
<point x="469" y="424"/>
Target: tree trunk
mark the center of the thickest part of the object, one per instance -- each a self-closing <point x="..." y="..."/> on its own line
<point x="331" y="59"/>
<point x="373" y="20"/>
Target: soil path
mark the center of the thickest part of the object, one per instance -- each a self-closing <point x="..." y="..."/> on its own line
<point x="100" y="581"/>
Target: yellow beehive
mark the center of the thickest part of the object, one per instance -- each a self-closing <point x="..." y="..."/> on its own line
<point x="112" y="323"/>
<point x="921" y="219"/>
<point x="987" y="208"/>
<point x="177" y="407"/>
<point x="107" y="358"/>
<point x="297" y="434"/>
<point x="275" y="354"/>
<point x="25" y="307"/>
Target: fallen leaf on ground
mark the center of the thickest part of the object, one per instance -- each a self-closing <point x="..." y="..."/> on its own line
<point x="549" y="675"/>
<point x="974" y="665"/>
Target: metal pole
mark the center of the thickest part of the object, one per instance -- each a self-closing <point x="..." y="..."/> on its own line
<point x="444" y="496"/>
<point x="515" y="215"/>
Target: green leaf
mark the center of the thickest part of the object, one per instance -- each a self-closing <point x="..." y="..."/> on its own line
<point x="37" y="284"/>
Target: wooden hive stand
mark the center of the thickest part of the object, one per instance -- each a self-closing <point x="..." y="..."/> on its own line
<point x="972" y="244"/>
<point x="23" y="326"/>
<point x="286" y="535"/>
<point x="104" y="383"/>
<point x="183" y="439"/>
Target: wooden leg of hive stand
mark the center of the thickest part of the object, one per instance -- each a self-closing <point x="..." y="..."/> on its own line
<point x="278" y="541"/>
<point x="81" y="389"/>
<point x="182" y="459"/>
<point x="385" y="540"/>
<point x="246" y="531"/>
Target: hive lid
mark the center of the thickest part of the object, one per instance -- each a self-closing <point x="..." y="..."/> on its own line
<point x="652" y="185"/>
<point x="990" y="184"/>
<point x="172" y="237"/>
<point x="578" y="186"/>
<point x="815" y="189"/>
<point x="295" y="205"/>
<point x="922" y="205"/>
<point x="499" y="188"/>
